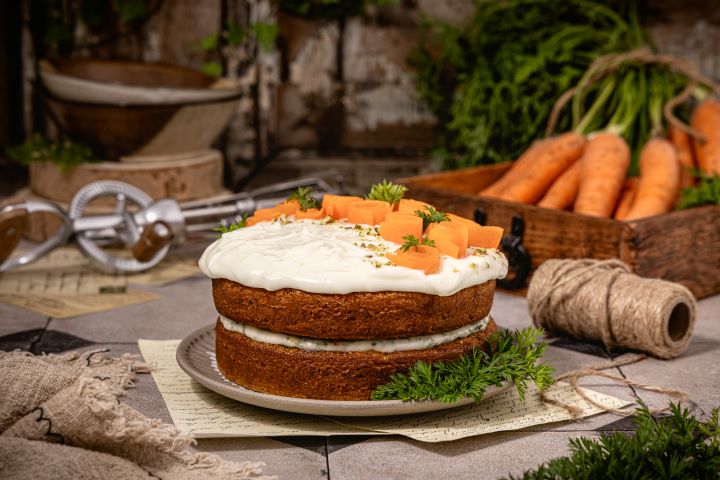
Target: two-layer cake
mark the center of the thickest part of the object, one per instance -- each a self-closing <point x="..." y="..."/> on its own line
<point x="323" y="307"/>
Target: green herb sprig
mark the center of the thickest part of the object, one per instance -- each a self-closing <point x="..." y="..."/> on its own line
<point x="512" y="356"/>
<point x="387" y="192"/>
<point x="706" y="192"/>
<point x="411" y="241"/>
<point x="678" y="446"/>
<point x="66" y="154"/>
<point x="303" y="195"/>
<point x="430" y="215"/>
<point x="239" y="223"/>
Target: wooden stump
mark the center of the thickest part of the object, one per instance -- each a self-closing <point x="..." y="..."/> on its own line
<point x="183" y="177"/>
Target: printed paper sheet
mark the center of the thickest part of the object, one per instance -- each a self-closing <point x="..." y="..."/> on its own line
<point x="197" y="410"/>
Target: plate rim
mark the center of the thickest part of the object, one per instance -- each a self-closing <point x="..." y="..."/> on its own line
<point x="302" y="405"/>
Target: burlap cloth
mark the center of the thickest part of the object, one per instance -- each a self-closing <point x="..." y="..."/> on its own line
<point x="61" y="417"/>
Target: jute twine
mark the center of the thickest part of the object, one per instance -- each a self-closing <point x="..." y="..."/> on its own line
<point x="602" y="300"/>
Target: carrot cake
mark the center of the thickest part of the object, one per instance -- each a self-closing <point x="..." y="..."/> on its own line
<point x="331" y="307"/>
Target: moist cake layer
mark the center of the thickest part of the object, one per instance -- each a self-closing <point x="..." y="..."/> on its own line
<point x="361" y="315"/>
<point x="294" y="372"/>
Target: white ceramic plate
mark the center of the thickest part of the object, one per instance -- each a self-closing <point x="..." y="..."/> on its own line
<point x="196" y="356"/>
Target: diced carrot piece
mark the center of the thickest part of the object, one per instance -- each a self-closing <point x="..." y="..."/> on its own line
<point x="288" y="207"/>
<point x="396" y="226"/>
<point x="450" y="238"/>
<point x="336" y="205"/>
<point x="474" y="229"/>
<point x="368" y="212"/>
<point x="488" y="237"/>
<point x="423" y="258"/>
<point x="264" y="215"/>
<point x="310" y="213"/>
<point x="409" y="205"/>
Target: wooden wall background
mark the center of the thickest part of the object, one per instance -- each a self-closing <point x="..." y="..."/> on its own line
<point x="339" y="94"/>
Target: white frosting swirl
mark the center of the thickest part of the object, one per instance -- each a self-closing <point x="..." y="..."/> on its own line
<point x="336" y="258"/>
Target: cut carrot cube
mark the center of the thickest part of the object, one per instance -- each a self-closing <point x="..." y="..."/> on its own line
<point x="408" y="205"/>
<point x="450" y="238"/>
<point x="288" y="207"/>
<point x="368" y="212"/>
<point x="336" y="205"/>
<point x="488" y="237"/>
<point x="423" y="258"/>
<point x="396" y="226"/>
<point x="475" y="236"/>
<point x="264" y="215"/>
<point x="310" y="213"/>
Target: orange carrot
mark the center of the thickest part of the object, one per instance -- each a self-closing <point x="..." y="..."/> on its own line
<point x="336" y="205"/>
<point x="422" y="257"/>
<point x="474" y="229"/>
<point x="554" y="159"/>
<point x="310" y="214"/>
<point x="488" y="237"/>
<point x="659" y="180"/>
<point x="627" y="197"/>
<point x="408" y="205"/>
<point x="683" y="146"/>
<point x="602" y="172"/>
<point x="396" y="226"/>
<point x="706" y="120"/>
<point x="517" y="169"/>
<point x="368" y="212"/>
<point x="563" y="191"/>
<point x="264" y="215"/>
<point x="288" y="207"/>
<point x="450" y="238"/>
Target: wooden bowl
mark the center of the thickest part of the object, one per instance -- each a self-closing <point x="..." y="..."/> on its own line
<point x="130" y="83"/>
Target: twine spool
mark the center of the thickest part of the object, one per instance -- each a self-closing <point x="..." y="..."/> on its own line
<point x="602" y="300"/>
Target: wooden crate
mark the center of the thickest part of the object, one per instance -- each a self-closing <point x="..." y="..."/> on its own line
<point x="681" y="246"/>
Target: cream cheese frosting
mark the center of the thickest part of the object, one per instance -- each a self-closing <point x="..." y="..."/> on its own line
<point x="318" y="256"/>
<point x="385" y="346"/>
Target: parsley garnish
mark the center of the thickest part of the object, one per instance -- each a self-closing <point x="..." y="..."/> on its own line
<point x="430" y="215"/>
<point x="387" y="192"/>
<point x="513" y="356"/>
<point x="411" y="241"/>
<point x="706" y="192"/>
<point x="236" y="225"/>
<point x="676" y="446"/>
<point x="303" y="195"/>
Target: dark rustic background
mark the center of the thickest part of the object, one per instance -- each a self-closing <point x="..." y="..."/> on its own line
<point x="334" y="94"/>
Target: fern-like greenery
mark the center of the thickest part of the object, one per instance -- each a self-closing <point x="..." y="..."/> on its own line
<point x="304" y="196"/>
<point x="512" y="356"/>
<point x="387" y="192"/>
<point x="430" y="215"/>
<point x="66" y="154"/>
<point x="239" y="223"/>
<point x="411" y="241"/>
<point x="706" y="192"/>
<point x="676" y="447"/>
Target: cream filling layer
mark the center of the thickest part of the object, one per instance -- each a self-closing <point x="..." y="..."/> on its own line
<point x="336" y="258"/>
<point x="383" y="346"/>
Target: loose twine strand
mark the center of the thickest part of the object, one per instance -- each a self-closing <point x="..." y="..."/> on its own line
<point x="601" y="300"/>
<point x="607" y="64"/>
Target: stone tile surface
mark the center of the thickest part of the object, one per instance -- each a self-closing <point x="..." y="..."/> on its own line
<point x="14" y="320"/>
<point x="184" y="306"/>
<point x="487" y="456"/>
